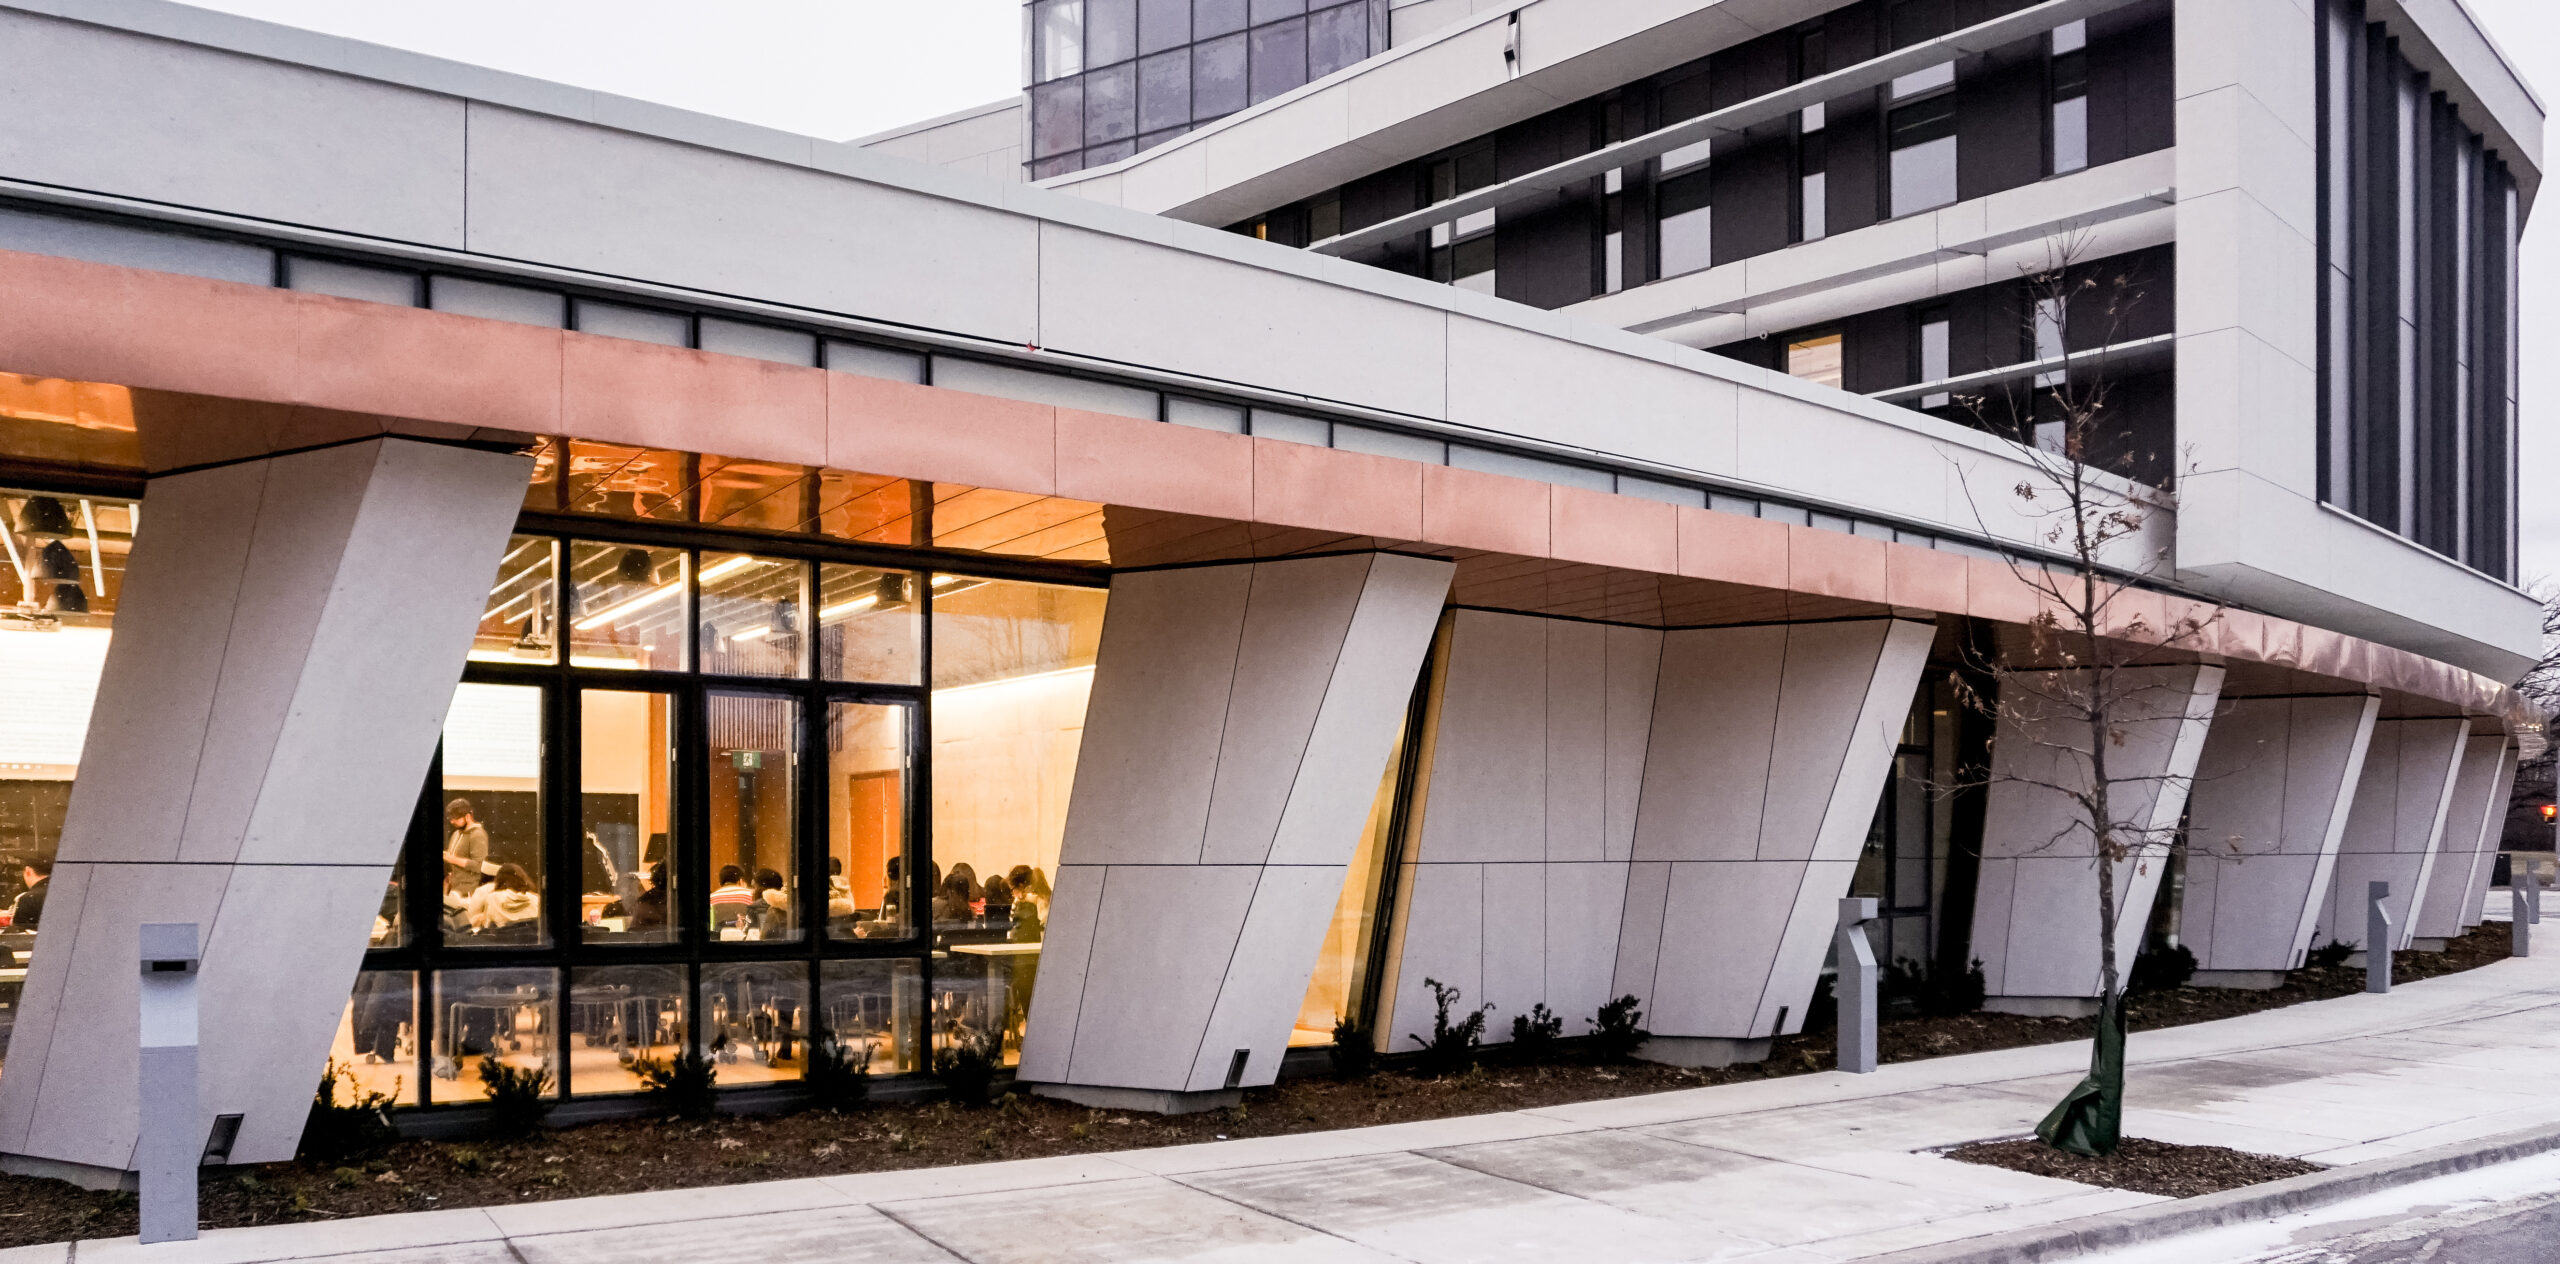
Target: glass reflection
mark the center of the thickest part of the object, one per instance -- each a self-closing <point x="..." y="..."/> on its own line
<point x="521" y="623"/>
<point x="867" y="890"/>
<point x="758" y="494"/>
<point x="508" y="1015"/>
<point x="868" y="624"/>
<point x="1339" y="984"/>
<point x="754" y="811"/>
<point x="622" y="1018"/>
<point x="756" y="1020"/>
<point x="627" y="874"/>
<point x="493" y="826"/>
<point x="874" y="1006"/>
<point x="621" y="482"/>
<point x="626" y="606"/>
<point x="1012" y="668"/>
<point x="753" y="612"/>
<point x="377" y="1038"/>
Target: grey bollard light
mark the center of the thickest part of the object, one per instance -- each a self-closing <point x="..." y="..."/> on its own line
<point x="2519" y="927"/>
<point x="1856" y="986"/>
<point x="170" y="1150"/>
<point x="2533" y="893"/>
<point x="2377" y="938"/>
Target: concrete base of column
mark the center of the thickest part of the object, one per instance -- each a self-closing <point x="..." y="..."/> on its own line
<point x="84" y="1175"/>
<point x="2043" y="1006"/>
<point x="1702" y="1051"/>
<point x="1152" y="1101"/>
<point x="2429" y="945"/>
<point x="2242" y="980"/>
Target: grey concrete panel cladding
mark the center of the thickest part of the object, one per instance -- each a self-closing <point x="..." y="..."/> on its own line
<point x="89" y="107"/>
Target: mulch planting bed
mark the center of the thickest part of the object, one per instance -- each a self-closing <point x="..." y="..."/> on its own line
<point x="2145" y="1167"/>
<point x="630" y="1156"/>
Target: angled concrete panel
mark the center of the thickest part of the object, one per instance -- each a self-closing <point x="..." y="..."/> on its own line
<point x="1769" y="747"/>
<point x="2395" y="825"/>
<point x="2492" y="834"/>
<point x="2035" y="916"/>
<point x="2466" y="827"/>
<point x="287" y="645"/>
<point x="1516" y="875"/>
<point x="2270" y="802"/>
<point x="1191" y="905"/>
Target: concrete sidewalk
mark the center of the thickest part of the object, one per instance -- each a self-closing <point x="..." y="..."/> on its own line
<point x="1811" y="1168"/>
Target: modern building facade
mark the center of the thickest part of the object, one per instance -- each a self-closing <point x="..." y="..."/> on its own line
<point x="1520" y="504"/>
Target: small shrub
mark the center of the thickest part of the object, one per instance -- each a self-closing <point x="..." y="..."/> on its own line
<point x="464" y="1157"/>
<point x="685" y="1084"/>
<point x="1962" y="994"/>
<point x="1452" y="1046"/>
<point x="518" y="1097"/>
<point x="338" y="1131"/>
<point x="966" y="1068"/>
<point x="2332" y="955"/>
<point x="1355" y="1051"/>
<point x="2162" y="969"/>
<point x="1534" y="1034"/>
<point x="838" y="1074"/>
<point x="1617" y="1031"/>
<point x="1822" y="1013"/>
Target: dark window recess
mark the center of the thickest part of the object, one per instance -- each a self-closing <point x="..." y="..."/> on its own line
<point x="1911" y="21"/>
<point x="1470" y="258"/>
<point x="1110" y="104"/>
<point x="1164" y="91"/>
<point x="1110" y="31"/>
<point x="1217" y="77"/>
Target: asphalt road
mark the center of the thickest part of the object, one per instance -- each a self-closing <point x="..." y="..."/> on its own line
<point x="2514" y="1231"/>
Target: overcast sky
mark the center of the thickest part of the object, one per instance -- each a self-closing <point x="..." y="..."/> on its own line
<point x="846" y="68"/>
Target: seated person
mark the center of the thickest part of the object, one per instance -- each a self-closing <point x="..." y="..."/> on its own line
<point x="27" y="911"/>
<point x="1030" y="886"/>
<point x="507" y="900"/>
<point x="773" y="904"/>
<point x="839" y="889"/>
<point x="733" y="901"/>
<point x="649" y="910"/>
<point x="956" y="901"/>
<point x="995" y="901"/>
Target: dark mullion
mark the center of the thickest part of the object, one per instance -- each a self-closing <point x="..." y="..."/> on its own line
<point x="919" y="818"/>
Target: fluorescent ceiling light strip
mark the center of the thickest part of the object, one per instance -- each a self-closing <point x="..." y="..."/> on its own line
<point x="845" y="608"/>
<point x="1085" y="670"/>
<point x="661" y="593"/>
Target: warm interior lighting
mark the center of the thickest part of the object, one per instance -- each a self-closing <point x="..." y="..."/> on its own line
<point x="756" y="633"/>
<point x="661" y="593"/>
<point x="1085" y="670"/>
<point x="829" y="614"/>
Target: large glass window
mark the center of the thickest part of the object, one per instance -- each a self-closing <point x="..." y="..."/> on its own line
<point x="1816" y="358"/>
<point x="493" y="849"/>
<point x="626" y="794"/>
<point x="1922" y="138"/>
<point x="714" y="758"/>
<point x="869" y="893"/>
<point x="754" y="804"/>
<point x="1012" y="668"/>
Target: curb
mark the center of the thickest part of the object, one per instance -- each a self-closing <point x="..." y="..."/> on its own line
<point x="2072" y="1239"/>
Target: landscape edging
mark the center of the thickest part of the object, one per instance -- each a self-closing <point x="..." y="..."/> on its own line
<point x="2075" y="1238"/>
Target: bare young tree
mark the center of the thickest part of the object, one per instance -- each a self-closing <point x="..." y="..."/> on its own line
<point x="2083" y="688"/>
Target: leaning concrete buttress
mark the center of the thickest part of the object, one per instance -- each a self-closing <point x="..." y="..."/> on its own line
<point x="2270" y="802"/>
<point x="1769" y="747"/>
<point x="2035" y="914"/>
<point x="290" y="633"/>
<point x="2395" y="825"/>
<point x="1242" y="717"/>
<point x="2492" y="838"/>
<point x="2467" y="820"/>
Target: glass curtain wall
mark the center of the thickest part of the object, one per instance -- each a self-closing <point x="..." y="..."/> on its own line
<point x="62" y="561"/>
<point x="683" y="803"/>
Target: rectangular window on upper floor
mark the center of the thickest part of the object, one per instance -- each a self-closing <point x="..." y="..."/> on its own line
<point x="1057" y="39"/>
<point x="1684" y="219"/>
<point x="1932" y="346"/>
<point x="1110" y="31"/>
<point x="1812" y="167"/>
<point x="1817" y="358"/>
<point x="1921" y="137"/>
<point x="2070" y="110"/>
<point x="1163" y="24"/>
